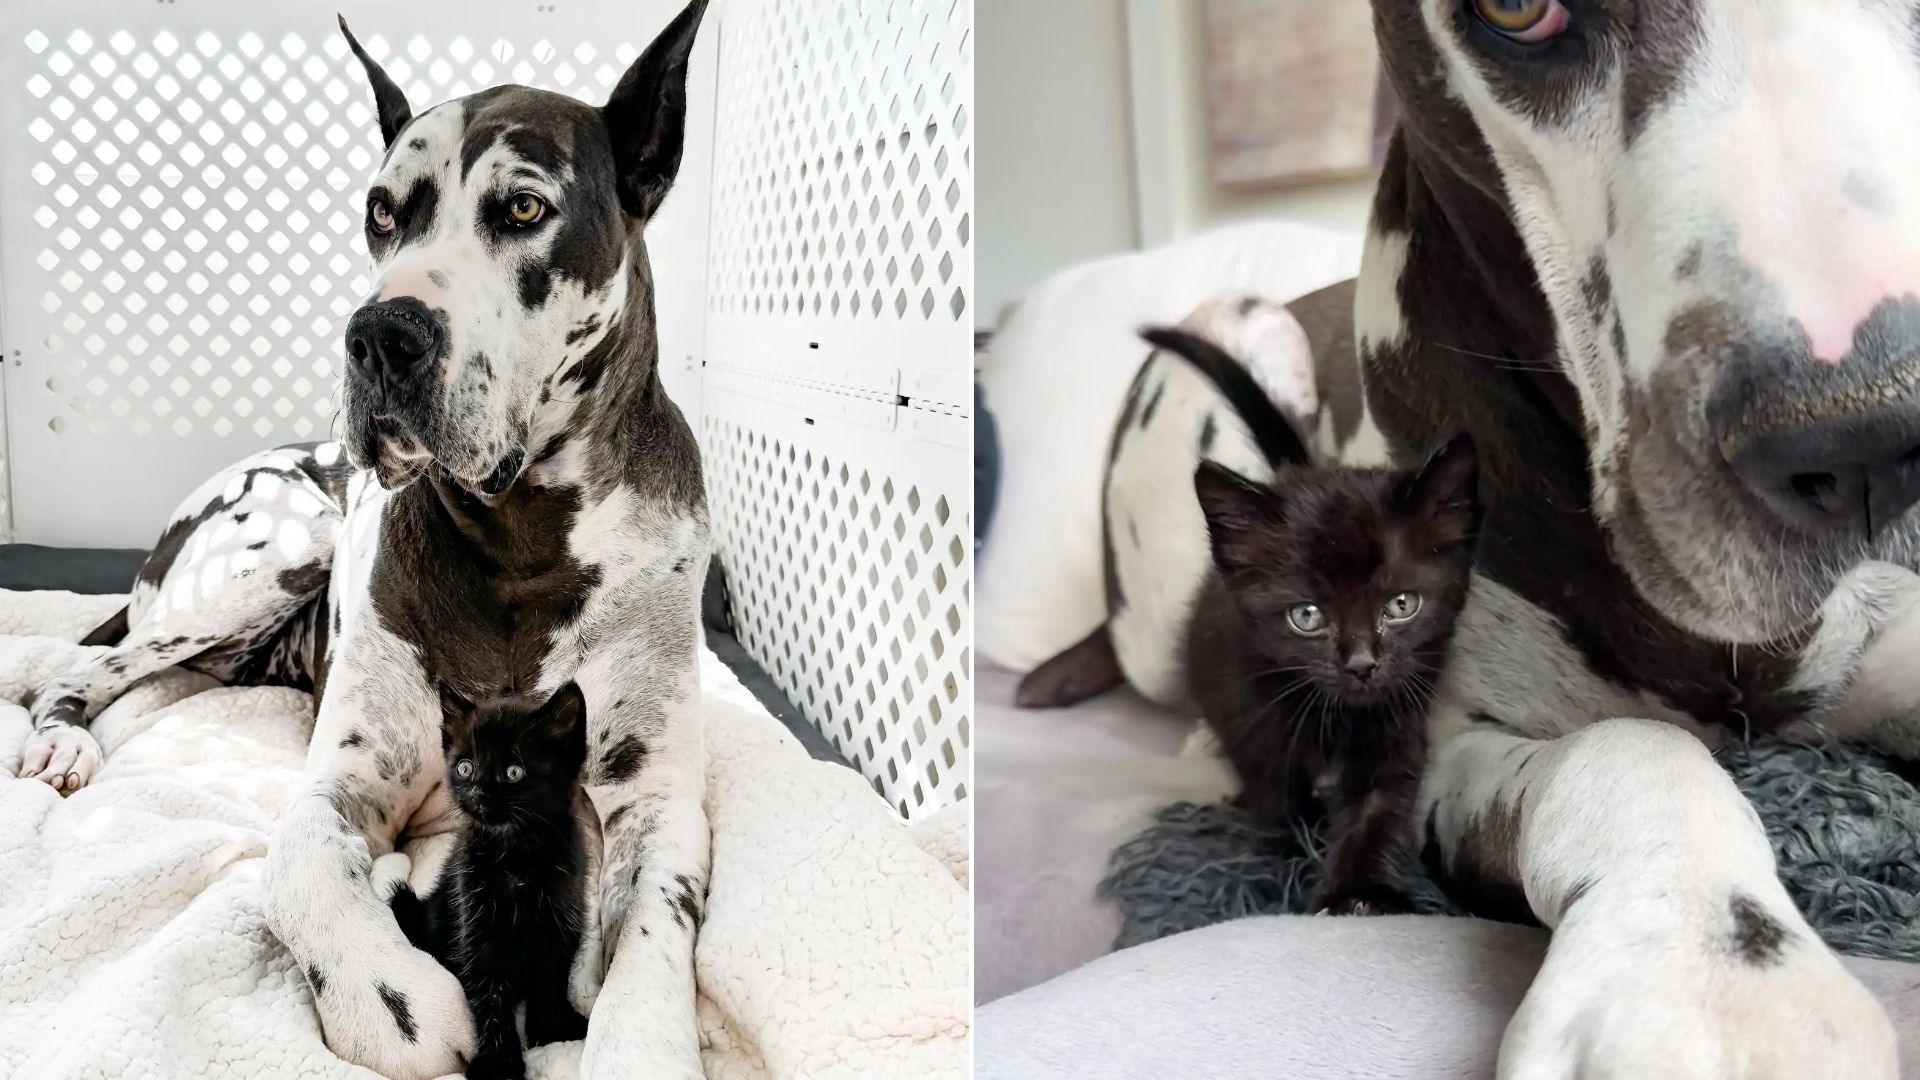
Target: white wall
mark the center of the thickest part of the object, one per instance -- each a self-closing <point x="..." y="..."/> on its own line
<point x="1093" y="139"/>
<point x="1053" y="165"/>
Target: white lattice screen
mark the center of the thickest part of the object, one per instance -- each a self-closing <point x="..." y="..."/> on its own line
<point x="180" y="197"/>
<point x="838" y="390"/>
<point x="181" y="189"/>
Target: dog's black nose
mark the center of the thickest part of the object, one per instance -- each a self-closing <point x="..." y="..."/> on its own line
<point x="1855" y="473"/>
<point x="389" y="341"/>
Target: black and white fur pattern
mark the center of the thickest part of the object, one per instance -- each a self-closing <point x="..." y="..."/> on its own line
<point x="522" y="508"/>
<point x="1620" y="257"/>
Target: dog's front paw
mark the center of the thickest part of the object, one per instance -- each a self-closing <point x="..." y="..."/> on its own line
<point x="397" y="1012"/>
<point x="65" y="756"/>
<point x="1707" y="987"/>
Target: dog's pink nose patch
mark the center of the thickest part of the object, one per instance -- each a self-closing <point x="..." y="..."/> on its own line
<point x="427" y="286"/>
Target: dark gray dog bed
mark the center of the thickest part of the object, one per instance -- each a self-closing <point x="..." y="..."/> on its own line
<point x="1844" y="825"/>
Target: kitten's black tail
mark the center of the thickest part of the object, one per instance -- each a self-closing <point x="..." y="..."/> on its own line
<point x="411" y="913"/>
<point x="1273" y="430"/>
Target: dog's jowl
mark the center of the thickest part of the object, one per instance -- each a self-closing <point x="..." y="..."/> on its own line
<point x="515" y="504"/>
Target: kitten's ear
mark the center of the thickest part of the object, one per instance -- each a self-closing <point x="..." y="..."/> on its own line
<point x="454" y="709"/>
<point x="455" y="714"/>
<point x="563" y="714"/>
<point x="1240" y="514"/>
<point x="1446" y="492"/>
<point x="646" y="116"/>
<point x="388" y="99"/>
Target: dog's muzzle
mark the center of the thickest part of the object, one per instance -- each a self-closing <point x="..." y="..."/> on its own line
<point x="390" y="345"/>
<point x="1828" y="447"/>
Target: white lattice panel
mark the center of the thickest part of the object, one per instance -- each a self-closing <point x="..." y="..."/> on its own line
<point x="181" y="190"/>
<point x="838" y="386"/>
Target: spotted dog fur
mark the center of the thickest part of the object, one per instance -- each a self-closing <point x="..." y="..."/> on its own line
<point x="1657" y="260"/>
<point x="517" y="504"/>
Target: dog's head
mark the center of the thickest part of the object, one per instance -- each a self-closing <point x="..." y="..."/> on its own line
<point x="1721" y="201"/>
<point x="505" y="234"/>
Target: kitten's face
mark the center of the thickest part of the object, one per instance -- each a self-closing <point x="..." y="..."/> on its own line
<point x="508" y="759"/>
<point x="1352" y="579"/>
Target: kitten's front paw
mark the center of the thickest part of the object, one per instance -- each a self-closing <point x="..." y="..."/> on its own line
<point x="1362" y="900"/>
<point x="506" y="1064"/>
<point x="560" y="1024"/>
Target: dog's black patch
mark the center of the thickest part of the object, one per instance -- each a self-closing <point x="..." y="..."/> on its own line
<point x="241" y="517"/>
<point x="1757" y="938"/>
<point x="318" y="979"/>
<point x="686" y="908"/>
<point x="586" y="327"/>
<point x="1209" y="429"/>
<point x="305" y="580"/>
<point x="622" y="760"/>
<point x="536" y="284"/>
<point x="618" y="813"/>
<point x="257" y="545"/>
<point x="354" y="738"/>
<point x="679" y="566"/>
<point x="1597" y="288"/>
<point x="1689" y="263"/>
<point x="418" y="144"/>
<point x="396" y="1003"/>
<point x="1146" y="414"/>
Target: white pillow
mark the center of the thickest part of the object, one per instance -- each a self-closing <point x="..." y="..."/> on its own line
<point x="1055" y="376"/>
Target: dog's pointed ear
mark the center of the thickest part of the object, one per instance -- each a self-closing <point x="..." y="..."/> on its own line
<point x="1240" y="514"/>
<point x="646" y="117"/>
<point x="388" y="99"/>
<point x="1445" y="493"/>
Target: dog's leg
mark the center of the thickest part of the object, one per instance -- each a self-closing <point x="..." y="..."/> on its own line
<point x="1676" y="952"/>
<point x="647" y="772"/>
<point x="373" y="768"/>
<point x="235" y="573"/>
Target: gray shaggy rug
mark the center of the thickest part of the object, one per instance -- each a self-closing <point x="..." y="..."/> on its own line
<point x="1845" y="829"/>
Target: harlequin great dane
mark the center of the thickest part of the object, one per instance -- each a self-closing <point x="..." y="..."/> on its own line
<point x="1662" y="259"/>
<point x="519" y="505"/>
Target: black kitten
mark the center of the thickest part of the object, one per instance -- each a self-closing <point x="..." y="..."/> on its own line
<point x="1316" y="648"/>
<point x="507" y="913"/>
<point x="1315" y="645"/>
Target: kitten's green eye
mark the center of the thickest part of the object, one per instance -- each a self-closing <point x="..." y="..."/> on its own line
<point x="515" y="774"/>
<point x="1402" y="606"/>
<point x="463" y="769"/>
<point x="1306" y="618"/>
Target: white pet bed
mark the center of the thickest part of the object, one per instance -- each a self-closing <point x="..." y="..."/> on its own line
<point x="835" y="943"/>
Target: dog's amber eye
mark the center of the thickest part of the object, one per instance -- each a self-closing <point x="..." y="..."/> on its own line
<point x="1527" y="21"/>
<point x="1512" y="15"/>
<point x="526" y="208"/>
<point x="380" y="216"/>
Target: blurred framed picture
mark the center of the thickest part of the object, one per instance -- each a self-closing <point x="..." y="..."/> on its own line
<point x="1295" y="93"/>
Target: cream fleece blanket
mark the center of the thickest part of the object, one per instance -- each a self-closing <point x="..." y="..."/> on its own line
<point x="132" y="942"/>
